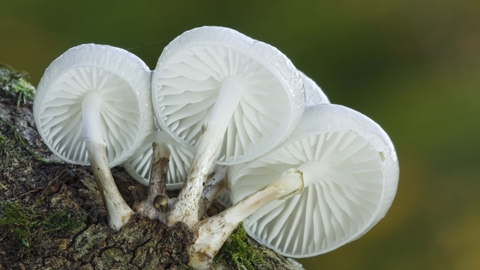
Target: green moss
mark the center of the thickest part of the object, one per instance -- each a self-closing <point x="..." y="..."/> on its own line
<point x="14" y="84"/>
<point x="236" y="251"/>
<point x="27" y="226"/>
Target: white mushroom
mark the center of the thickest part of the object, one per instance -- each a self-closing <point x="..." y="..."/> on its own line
<point x="92" y="107"/>
<point x="211" y="233"/>
<point x="313" y="96"/>
<point x="350" y="170"/>
<point x="231" y="97"/>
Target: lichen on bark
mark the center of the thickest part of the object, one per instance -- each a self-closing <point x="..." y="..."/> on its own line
<point x="52" y="215"/>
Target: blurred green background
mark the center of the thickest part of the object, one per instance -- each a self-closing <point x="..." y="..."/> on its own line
<point x="412" y="66"/>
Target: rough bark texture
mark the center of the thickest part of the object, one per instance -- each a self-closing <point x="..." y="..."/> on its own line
<point x="52" y="215"/>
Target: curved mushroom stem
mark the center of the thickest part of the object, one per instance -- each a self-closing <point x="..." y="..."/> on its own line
<point x="156" y="203"/>
<point x="187" y="207"/>
<point x="117" y="209"/>
<point x="212" y="232"/>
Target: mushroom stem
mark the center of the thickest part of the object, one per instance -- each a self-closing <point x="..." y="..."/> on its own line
<point x="117" y="209"/>
<point x="212" y="232"/>
<point x="154" y="207"/>
<point x="213" y="188"/>
<point x="187" y="207"/>
<point x="311" y="170"/>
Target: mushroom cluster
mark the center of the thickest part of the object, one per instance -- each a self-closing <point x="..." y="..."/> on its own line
<point x="221" y="116"/>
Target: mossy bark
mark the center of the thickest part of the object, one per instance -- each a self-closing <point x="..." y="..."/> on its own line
<point x="52" y="215"/>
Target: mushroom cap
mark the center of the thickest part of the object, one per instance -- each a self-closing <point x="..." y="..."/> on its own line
<point x="139" y="165"/>
<point x="351" y="176"/>
<point x="123" y="81"/>
<point x="313" y="93"/>
<point x="189" y="75"/>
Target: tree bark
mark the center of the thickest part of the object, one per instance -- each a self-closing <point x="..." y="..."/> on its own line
<point x="52" y="215"/>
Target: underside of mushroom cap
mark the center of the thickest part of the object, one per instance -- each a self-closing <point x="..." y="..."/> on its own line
<point x="123" y="82"/>
<point x="351" y="173"/>
<point x="189" y="75"/>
